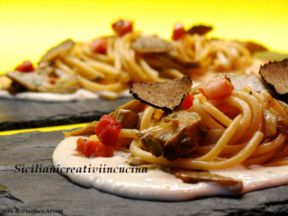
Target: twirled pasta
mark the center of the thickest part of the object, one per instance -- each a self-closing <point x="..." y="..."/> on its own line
<point x="243" y="140"/>
<point x="117" y="66"/>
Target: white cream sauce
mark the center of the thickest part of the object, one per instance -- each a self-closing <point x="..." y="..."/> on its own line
<point x="80" y="94"/>
<point x="157" y="184"/>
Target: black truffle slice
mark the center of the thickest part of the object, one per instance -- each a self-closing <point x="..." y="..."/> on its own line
<point x="254" y="47"/>
<point x="200" y="29"/>
<point x="276" y="74"/>
<point x="151" y="44"/>
<point x="164" y="95"/>
<point x="240" y="81"/>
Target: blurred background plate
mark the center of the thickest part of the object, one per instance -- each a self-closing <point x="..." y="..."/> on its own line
<point x="30" y="27"/>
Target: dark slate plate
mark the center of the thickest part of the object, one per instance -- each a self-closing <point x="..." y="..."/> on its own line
<point x="18" y="114"/>
<point x="53" y="192"/>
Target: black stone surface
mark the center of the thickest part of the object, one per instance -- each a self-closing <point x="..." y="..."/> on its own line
<point x="52" y="192"/>
<point x="18" y="114"/>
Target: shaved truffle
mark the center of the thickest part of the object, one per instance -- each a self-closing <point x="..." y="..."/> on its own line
<point x="199" y="29"/>
<point x="165" y="95"/>
<point x="276" y="74"/>
<point x="240" y="81"/>
<point x="151" y="44"/>
<point x="254" y="47"/>
<point x="162" y="61"/>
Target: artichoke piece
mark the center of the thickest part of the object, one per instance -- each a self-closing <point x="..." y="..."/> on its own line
<point x="177" y="135"/>
<point x="5" y="82"/>
<point x="40" y="80"/>
<point x="127" y="118"/>
<point x="232" y="185"/>
<point x="59" y="50"/>
<point x="87" y="130"/>
<point x="31" y="81"/>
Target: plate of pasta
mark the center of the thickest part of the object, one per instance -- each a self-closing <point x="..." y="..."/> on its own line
<point x="108" y="65"/>
<point x="175" y="141"/>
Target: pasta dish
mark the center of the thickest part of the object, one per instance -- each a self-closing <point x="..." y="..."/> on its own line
<point x="112" y="63"/>
<point x="218" y="133"/>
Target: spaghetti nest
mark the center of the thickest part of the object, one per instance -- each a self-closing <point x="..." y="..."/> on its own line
<point x="245" y="128"/>
<point x="123" y="64"/>
<point x="112" y="63"/>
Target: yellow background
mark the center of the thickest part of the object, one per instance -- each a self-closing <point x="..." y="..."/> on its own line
<point x="29" y="28"/>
